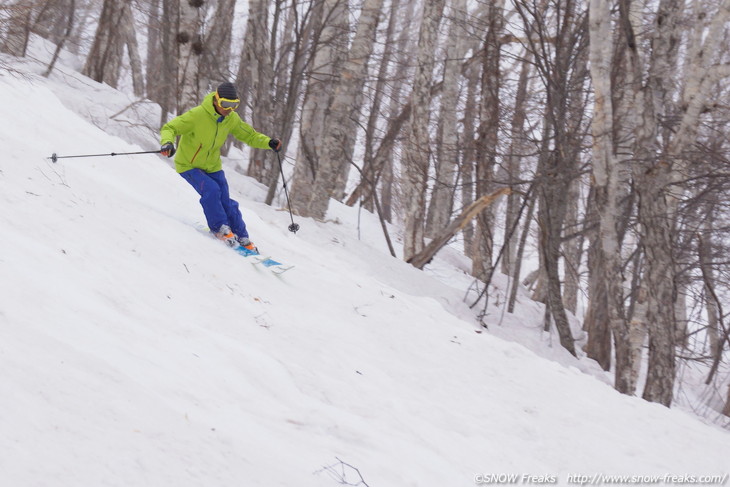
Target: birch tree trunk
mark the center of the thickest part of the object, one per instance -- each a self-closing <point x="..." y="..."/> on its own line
<point x="15" y="41"/>
<point x="487" y="138"/>
<point x="340" y="124"/>
<point x="329" y="53"/>
<point x="416" y="152"/>
<point x="572" y="250"/>
<point x="597" y="323"/>
<point x="368" y="176"/>
<point x="162" y="56"/>
<point x="559" y="47"/>
<point x="215" y="65"/>
<point x="651" y="175"/>
<point x="521" y="251"/>
<point x="656" y="242"/>
<point x="518" y="146"/>
<point x="302" y="38"/>
<point x="52" y="19"/>
<point x="190" y="49"/>
<point x="378" y="159"/>
<point x="657" y="216"/>
<point x="255" y="77"/>
<point x="154" y="51"/>
<point x="62" y="41"/>
<point x="606" y="291"/>
<point x="383" y="161"/>
<point x="620" y="98"/>
<point x="135" y="61"/>
<point x="471" y="114"/>
<point x="105" y="58"/>
<point x="447" y="151"/>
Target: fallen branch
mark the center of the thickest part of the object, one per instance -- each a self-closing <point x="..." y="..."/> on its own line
<point x="424" y="257"/>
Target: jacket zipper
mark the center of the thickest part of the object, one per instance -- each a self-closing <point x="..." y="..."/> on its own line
<point x="196" y="154"/>
<point x="215" y="137"/>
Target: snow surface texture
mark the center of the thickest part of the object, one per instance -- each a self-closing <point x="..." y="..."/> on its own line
<point x="136" y="351"/>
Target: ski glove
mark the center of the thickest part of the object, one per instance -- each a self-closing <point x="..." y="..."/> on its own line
<point x="275" y="145"/>
<point x="168" y="149"/>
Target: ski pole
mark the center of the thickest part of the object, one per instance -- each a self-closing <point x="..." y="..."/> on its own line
<point x="294" y="227"/>
<point x="55" y="157"/>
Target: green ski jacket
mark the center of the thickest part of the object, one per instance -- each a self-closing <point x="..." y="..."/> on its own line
<point x="202" y="133"/>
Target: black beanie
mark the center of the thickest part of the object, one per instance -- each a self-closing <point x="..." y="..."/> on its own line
<point x="227" y="90"/>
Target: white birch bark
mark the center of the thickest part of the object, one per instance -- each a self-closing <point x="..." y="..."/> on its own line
<point x="417" y="153"/>
<point x="17" y="27"/>
<point x="297" y="39"/>
<point x="105" y="58"/>
<point x="375" y="117"/>
<point x="255" y="78"/>
<point x="447" y="151"/>
<point x="215" y="61"/>
<point x="518" y="146"/>
<point x="703" y="74"/>
<point x="327" y="61"/>
<point x="190" y="48"/>
<point x="377" y="158"/>
<point x="655" y="175"/>
<point x="341" y="123"/>
<point x="488" y="137"/>
<point x="135" y="61"/>
<point x="469" y="156"/>
<point x="652" y="177"/>
<point x="362" y="46"/>
<point x="606" y="175"/>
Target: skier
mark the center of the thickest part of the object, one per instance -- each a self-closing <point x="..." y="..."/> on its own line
<point x="203" y="130"/>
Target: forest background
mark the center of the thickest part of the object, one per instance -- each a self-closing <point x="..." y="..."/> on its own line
<point x="596" y="129"/>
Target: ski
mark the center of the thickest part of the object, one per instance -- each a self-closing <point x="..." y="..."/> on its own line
<point x="275" y="266"/>
<point x="254" y="256"/>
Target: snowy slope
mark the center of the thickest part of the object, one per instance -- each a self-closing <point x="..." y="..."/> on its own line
<point x="137" y="351"/>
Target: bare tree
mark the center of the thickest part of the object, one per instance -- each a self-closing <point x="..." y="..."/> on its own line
<point x="296" y="55"/>
<point x="255" y="77"/>
<point x="511" y="170"/>
<point x="447" y="144"/>
<point x="487" y="136"/>
<point x="558" y="44"/>
<point x="630" y="124"/>
<point x="66" y="35"/>
<point x="190" y="49"/>
<point x="417" y="151"/>
<point x="104" y="61"/>
<point x="386" y="123"/>
<point x="135" y="60"/>
<point x="215" y="66"/>
<point x="340" y="122"/>
<point x="16" y="28"/>
<point x="606" y="307"/>
<point x="331" y="25"/>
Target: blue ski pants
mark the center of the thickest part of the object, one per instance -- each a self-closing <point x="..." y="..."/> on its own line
<point x="216" y="201"/>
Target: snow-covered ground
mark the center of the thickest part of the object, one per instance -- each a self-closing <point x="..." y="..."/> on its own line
<point x="137" y="351"/>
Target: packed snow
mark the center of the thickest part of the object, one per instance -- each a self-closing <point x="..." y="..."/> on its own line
<point x="138" y="351"/>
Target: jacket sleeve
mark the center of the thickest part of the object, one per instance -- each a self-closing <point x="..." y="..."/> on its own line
<point x="246" y="133"/>
<point x="177" y="126"/>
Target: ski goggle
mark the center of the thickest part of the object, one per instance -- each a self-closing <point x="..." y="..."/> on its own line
<point x="226" y="103"/>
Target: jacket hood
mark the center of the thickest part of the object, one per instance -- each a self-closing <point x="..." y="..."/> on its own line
<point x="207" y="104"/>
